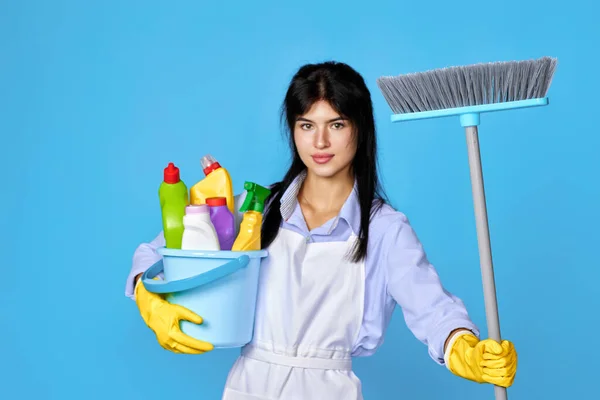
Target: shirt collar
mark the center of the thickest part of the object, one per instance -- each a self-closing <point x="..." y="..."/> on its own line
<point x="350" y="212"/>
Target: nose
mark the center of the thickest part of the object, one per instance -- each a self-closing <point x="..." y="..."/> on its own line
<point x="321" y="138"/>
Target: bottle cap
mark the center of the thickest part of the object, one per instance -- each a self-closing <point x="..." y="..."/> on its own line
<point x="171" y="174"/>
<point x="255" y="197"/>
<point x="196" y="209"/>
<point x="216" y="201"/>
<point x="209" y="164"/>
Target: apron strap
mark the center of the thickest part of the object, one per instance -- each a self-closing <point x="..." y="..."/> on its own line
<point x="255" y="353"/>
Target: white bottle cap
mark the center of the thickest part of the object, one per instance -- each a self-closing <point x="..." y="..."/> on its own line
<point x="196" y="209"/>
<point x="207" y="161"/>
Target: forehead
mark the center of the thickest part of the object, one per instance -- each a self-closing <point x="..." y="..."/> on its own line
<point x="321" y="110"/>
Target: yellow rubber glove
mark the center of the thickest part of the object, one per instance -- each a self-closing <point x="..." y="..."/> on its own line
<point x="483" y="361"/>
<point x="163" y="318"/>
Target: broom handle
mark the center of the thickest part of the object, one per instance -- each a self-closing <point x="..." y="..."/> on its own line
<point x="483" y="240"/>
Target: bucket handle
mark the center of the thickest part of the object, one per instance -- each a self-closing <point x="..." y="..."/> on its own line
<point x="156" y="286"/>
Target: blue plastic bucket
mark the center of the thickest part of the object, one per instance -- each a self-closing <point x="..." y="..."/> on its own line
<point x="220" y="286"/>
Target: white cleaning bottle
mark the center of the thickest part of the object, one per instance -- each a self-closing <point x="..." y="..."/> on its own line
<point x="198" y="231"/>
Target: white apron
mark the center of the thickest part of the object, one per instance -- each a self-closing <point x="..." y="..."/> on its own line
<point x="309" y="313"/>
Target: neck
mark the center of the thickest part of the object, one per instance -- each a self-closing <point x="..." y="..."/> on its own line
<point x="327" y="194"/>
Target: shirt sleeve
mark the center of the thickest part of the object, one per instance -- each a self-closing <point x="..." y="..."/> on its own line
<point x="430" y="311"/>
<point x="143" y="258"/>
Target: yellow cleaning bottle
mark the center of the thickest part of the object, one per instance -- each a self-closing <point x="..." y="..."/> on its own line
<point x="217" y="183"/>
<point x="249" y="237"/>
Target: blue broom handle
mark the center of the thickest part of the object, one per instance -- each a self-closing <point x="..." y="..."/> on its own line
<point x="483" y="239"/>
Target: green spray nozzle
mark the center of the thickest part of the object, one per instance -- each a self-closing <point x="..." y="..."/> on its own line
<point x="255" y="198"/>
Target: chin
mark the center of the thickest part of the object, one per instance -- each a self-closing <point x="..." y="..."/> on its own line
<point x="326" y="171"/>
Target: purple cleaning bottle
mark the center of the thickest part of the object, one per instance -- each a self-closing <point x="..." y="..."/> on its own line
<point x="223" y="221"/>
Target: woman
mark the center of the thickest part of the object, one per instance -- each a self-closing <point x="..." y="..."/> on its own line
<point x="340" y="259"/>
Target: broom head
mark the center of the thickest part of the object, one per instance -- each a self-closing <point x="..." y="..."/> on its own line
<point x="468" y="89"/>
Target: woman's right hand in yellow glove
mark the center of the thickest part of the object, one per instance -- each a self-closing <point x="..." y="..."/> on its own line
<point x="163" y="318"/>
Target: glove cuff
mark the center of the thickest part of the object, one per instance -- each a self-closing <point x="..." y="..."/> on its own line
<point x="451" y="342"/>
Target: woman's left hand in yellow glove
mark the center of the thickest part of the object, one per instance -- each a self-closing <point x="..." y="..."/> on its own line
<point x="483" y="361"/>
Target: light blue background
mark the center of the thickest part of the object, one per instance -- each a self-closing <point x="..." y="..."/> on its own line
<point x="97" y="97"/>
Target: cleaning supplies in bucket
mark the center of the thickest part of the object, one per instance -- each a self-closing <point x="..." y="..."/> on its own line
<point x="217" y="183"/>
<point x="173" y="196"/>
<point x="199" y="232"/>
<point x="223" y="221"/>
<point x="249" y="237"/>
<point x="201" y="271"/>
<point x="220" y="286"/>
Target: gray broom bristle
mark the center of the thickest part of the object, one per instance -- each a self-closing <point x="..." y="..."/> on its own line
<point x="470" y="85"/>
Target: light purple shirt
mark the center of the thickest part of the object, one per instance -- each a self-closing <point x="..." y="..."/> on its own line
<point x="396" y="272"/>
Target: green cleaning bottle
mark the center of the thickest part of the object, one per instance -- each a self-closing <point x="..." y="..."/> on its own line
<point x="173" y="195"/>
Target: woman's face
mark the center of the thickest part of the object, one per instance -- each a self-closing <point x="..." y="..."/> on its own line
<point x="325" y="141"/>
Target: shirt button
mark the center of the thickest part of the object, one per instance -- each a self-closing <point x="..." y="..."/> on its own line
<point x="307" y="239"/>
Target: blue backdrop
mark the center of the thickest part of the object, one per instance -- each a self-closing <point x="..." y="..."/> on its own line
<point x="96" y="99"/>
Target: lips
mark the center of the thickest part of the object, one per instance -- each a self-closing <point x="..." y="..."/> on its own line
<point x="322" y="158"/>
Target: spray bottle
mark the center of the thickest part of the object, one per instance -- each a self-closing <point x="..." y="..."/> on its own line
<point x="173" y="196"/>
<point x="249" y="238"/>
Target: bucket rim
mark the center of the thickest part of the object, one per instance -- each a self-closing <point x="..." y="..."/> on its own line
<point x="228" y="254"/>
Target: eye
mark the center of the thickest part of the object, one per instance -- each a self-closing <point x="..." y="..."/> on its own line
<point x="338" y="125"/>
<point x="306" y="127"/>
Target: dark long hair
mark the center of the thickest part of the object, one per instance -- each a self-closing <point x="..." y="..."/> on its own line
<point x="345" y="90"/>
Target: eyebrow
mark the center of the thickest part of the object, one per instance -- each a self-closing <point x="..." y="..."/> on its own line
<point x="330" y="121"/>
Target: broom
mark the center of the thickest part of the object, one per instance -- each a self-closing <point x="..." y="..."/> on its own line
<point x="468" y="91"/>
